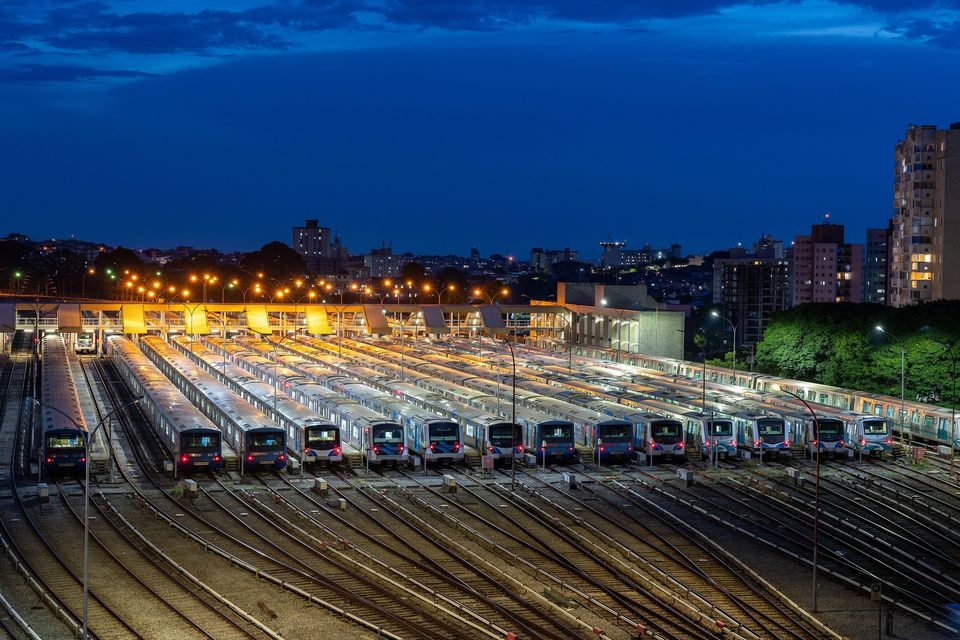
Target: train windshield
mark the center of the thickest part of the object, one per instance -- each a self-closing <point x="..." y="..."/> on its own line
<point x="770" y="427"/>
<point x="500" y="435"/>
<point x="265" y="441"/>
<point x="875" y="428"/>
<point x="721" y="428"/>
<point x="659" y="429"/>
<point x="322" y="437"/>
<point x="65" y="441"/>
<point x="200" y="441"/>
<point x="389" y="434"/>
<point x="830" y="429"/>
<point x="557" y="432"/>
<point x="613" y="432"/>
<point x="444" y="432"/>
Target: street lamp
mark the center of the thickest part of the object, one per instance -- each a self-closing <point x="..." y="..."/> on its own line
<point x="513" y="418"/>
<point x="83" y="286"/>
<point x="816" y="493"/>
<point x="903" y="371"/>
<point x="86" y="498"/>
<point x="734" y="327"/>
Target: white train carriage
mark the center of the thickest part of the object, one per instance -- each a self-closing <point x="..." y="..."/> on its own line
<point x="303" y="425"/>
<point x="191" y="439"/>
<point x="378" y="439"/>
<point x="826" y="435"/>
<point x="763" y="434"/>
<point x="868" y="435"/>
<point x="64" y="445"/>
<point x="260" y="442"/>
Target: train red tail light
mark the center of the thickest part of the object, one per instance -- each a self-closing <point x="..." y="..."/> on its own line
<point x="889" y="441"/>
<point x="602" y="448"/>
<point x="281" y="457"/>
<point x="402" y="448"/>
<point x="184" y="459"/>
<point x="520" y="448"/>
<point x="786" y="443"/>
<point x="337" y="451"/>
<point x="756" y="443"/>
<point x="83" y="458"/>
<point x="249" y="458"/>
<point x="49" y="460"/>
<point x="376" y="449"/>
<point x="433" y="447"/>
<point x="456" y="447"/>
<point x="679" y="445"/>
<point x="814" y="443"/>
<point x="216" y="458"/>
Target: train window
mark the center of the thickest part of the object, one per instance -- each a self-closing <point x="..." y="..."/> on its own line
<point x="265" y="441"/>
<point x="866" y="407"/>
<point x="878" y="409"/>
<point x="943" y="424"/>
<point x="194" y="441"/>
<point x="915" y="418"/>
<point x="65" y="441"/>
<point x="889" y="411"/>
<point x="928" y="422"/>
<point x="874" y="427"/>
<point x="824" y="399"/>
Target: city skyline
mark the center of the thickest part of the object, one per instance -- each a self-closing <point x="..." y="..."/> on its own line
<point x="222" y="127"/>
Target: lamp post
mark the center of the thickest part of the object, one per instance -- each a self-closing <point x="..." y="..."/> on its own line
<point x="86" y="500"/>
<point x="182" y="294"/>
<point x="83" y="285"/>
<point x="903" y="372"/>
<point x="950" y="351"/>
<point x="734" y="328"/>
<point x="513" y="417"/>
<point x="816" y="493"/>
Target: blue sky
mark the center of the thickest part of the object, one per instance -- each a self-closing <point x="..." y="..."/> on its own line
<point x="448" y="124"/>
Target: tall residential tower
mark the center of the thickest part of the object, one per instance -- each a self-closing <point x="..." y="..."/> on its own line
<point x="925" y="228"/>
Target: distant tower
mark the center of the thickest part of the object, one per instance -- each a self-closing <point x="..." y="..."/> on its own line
<point x="312" y="242"/>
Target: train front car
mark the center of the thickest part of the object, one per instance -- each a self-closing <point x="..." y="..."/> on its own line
<point x="763" y="435"/>
<point x="64" y="442"/>
<point x="387" y="444"/>
<point x="553" y="440"/>
<point x="502" y="437"/>
<point x="660" y="438"/>
<point x="614" y="440"/>
<point x="443" y="442"/>
<point x="321" y="443"/>
<point x="200" y="450"/>
<point x="870" y="436"/>
<point x="719" y="437"/>
<point x="264" y="448"/>
<point x="826" y="436"/>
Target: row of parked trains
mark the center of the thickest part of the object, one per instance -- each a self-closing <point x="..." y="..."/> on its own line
<point x="255" y="402"/>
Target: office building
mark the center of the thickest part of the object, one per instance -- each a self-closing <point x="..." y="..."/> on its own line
<point x="825" y="268"/>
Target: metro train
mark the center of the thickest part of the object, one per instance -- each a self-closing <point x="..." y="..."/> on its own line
<point x="188" y="436"/>
<point x="762" y="434"/>
<point x="86" y="342"/>
<point x="379" y="439"/>
<point x="64" y="447"/>
<point x="260" y="442"/>
<point x="829" y="441"/>
<point x="867" y="434"/>
<point x="302" y="424"/>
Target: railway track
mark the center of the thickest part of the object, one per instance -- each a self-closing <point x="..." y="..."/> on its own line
<point x="437" y="568"/>
<point x="687" y="560"/>
<point x="783" y="525"/>
<point x="617" y="594"/>
<point x="287" y="567"/>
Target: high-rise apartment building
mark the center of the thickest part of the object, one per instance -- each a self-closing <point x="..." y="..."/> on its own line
<point x="925" y="236"/>
<point x="750" y="287"/>
<point x="875" y="266"/>
<point x="825" y="268"/>
<point x="312" y="242"/>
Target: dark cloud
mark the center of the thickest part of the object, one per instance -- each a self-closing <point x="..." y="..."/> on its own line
<point x="33" y="73"/>
<point x="939" y="33"/>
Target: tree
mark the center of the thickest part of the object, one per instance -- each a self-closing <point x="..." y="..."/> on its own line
<point x="275" y="260"/>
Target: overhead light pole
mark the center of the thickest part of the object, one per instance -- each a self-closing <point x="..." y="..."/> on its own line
<point x="86" y="499"/>
<point x="734" y="328"/>
<point x="816" y="493"/>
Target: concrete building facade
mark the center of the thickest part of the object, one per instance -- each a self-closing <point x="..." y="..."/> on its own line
<point x="925" y="227"/>
<point x="875" y="266"/>
<point x="313" y="243"/>
<point x="825" y="268"/>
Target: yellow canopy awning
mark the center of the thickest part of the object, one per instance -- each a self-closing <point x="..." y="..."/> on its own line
<point x="195" y="318"/>
<point x="317" y="322"/>
<point x="257" y="319"/>
<point x="132" y="315"/>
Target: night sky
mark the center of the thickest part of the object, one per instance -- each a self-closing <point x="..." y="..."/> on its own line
<point x="446" y="124"/>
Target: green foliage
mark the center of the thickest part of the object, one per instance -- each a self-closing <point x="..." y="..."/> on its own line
<point x="839" y="344"/>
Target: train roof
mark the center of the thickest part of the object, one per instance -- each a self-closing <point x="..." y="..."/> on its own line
<point x="58" y="392"/>
<point x="177" y="411"/>
<point x="242" y="413"/>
